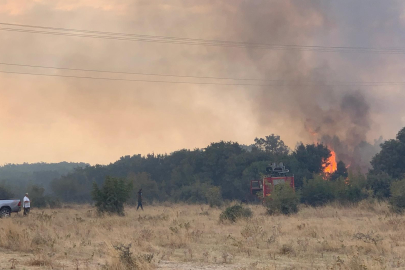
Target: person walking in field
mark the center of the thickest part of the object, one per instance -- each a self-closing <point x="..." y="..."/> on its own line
<point x="26" y="204"/>
<point x="139" y="200"/>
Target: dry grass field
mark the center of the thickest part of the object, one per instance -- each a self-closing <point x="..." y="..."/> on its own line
<point x="191" y="237"/>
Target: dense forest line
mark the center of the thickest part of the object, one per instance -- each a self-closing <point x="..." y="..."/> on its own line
<point x="222" y="170"/>
<point x="188" y="175"/>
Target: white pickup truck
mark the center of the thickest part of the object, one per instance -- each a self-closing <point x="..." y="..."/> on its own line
<point x="9" y="206"/>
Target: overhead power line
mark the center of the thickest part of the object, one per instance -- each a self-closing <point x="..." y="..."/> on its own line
<point x="270" y="83"/>
<point x="134" y="73"/>
<point x="128" y="80"/>
<point x="23" y="28"/>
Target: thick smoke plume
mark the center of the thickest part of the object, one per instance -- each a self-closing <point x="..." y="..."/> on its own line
<point x="94" y="121"/>
<point x="336" y="115"/>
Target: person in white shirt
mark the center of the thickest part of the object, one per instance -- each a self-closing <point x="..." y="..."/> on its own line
<point x="26" y="204"/>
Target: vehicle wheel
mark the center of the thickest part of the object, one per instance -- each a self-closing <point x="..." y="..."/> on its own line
<point x="5" y="212"/>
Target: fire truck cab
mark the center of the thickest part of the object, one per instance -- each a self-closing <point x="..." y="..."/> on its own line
<point x="277" y="174"/>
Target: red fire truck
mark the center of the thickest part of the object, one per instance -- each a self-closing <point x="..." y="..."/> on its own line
<point x="277" y="174"/>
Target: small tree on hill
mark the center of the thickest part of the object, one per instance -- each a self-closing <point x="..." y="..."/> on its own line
<point x="112" y="195"/>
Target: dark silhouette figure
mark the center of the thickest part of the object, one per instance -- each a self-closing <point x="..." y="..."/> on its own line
<point x="139" y="200"/>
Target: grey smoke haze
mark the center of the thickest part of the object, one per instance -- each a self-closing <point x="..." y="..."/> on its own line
<point x="53" y="119"/>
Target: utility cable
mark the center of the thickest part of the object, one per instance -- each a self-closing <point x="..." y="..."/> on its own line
<point x="276" y="82"/>
<point x="190" y="41"/>
<point x="281" y="83"/>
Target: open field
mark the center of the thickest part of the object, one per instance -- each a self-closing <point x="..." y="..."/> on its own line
<point x="190" y="237"/>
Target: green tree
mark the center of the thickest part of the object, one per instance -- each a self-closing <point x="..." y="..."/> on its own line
<point x="272" y="144"/>
<point x="312" y="156"/>
<point x="391" y="159"/>
<point x="222" y="167"/>
<point x="112" y="195"/>
<point x="308" y="160"/>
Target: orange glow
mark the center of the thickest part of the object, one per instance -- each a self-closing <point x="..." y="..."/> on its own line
<point x="332" y="167"/>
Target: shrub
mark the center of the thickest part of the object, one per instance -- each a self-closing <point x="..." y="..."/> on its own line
<point x="282" y="200"/>
<point x="112" y="195"/>
<point x="397" y="200"/>
<point x="233" y="213"/>
<point x="350" y="190"/>
<point x="345" y="193"/>
<point x="317" y="191"/>
<point x="128" y="261"/>
<point x="126" y="256"/>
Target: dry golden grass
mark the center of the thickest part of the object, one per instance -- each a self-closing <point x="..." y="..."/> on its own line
<point x="189" y="236"/>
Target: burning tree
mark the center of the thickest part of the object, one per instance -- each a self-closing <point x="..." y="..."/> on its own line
<point x="330" y="165"/>
<point x="309" y="160"/>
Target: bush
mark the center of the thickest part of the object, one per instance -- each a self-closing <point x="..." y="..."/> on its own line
<point x="346" y="193"/>
<point x="233" y="213"/>
<point x="397" y="200"/>
<point x="112" y="195"/>
<point x="317" y="191"/>
<point x="282" y="200"/>
<point x="350" y="190"/>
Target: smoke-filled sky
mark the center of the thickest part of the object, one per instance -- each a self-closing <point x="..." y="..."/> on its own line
<point x="54" y="119"/>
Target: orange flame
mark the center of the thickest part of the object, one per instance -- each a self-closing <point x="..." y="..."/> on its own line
<point x="332" y="167"/>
